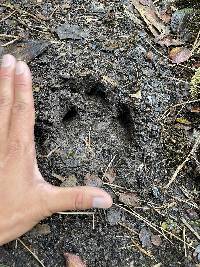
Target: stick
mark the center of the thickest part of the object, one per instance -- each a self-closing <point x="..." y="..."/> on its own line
<point x="33" y="254"/>
<point x="180" y="167"/>
<point x="190" y="228"/>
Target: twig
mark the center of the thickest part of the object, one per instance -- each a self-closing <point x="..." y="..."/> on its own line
<point x="128" y="228"/>
<point x="196" y="43"/>
<point x="9" y="43"/>
<point x="8" y="35"/>
<point x="190" y="228"/>
<point x="33" y="254"/>
<point x="76" y="213"/>
<point x="8" y="16"/>
<point x="150" y="224"/>
<point x="185" y="247"/>
<point x="147" y="253"/>
<point x="109" y="165"/>
<point x="52" y="151"/>
<point x="180" y="167"/>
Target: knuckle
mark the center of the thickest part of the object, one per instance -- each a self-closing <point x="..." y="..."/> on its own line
<point x="20" y="106"/>
<point x="5" y="75"/>
<point x="16" y="147"/>
<point x="79" y="200"/>
<point x="5" y="102"/>
<point x="20" y="85"/>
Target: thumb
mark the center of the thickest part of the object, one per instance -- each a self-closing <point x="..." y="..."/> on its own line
<point x="76" y="198"/>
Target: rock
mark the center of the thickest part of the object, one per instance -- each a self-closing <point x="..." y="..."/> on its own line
<point x="40" y="229"/>
<point x="185" y="23"/>
<point x="27" y="50"/>
<point x="156" y="192"/>
<point x="145" y="237"/>
<point x="92" y="180"/>
<point x="192" y="214"/>
<point x="197" y="250"/>
<point x="114" y="216"/>
<point x="130" y="199"/>
<point x="110" y="175"/>
<point x="70" y="181"/>
<point x="97" y="7"/>
<point x="156" y="240"/>
<point x="71" y="31"/>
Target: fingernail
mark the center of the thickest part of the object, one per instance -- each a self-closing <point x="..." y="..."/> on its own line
<point x="7" y="61"/>
<point x="20" y="68"/>
<point x="100" y="202"/>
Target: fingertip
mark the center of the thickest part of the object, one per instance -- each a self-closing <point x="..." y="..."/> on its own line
<point x="22" y="68"/>
<point x="8" y="61"/>
<point x="102" y="201"/>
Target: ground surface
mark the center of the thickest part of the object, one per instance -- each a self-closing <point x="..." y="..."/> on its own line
<point x="88" y="116"/>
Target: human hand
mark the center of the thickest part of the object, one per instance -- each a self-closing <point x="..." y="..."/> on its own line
<point x="25" y="197"/>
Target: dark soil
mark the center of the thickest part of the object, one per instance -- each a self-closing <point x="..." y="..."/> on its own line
<point x="83" y="88"/>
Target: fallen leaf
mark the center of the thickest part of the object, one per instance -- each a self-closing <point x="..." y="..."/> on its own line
<point x="146" y="2"/>
<point x="149" y="55"/>
<point x="74" y="260"/>
<point x="149" y="15"/>
<point x="92" y="180"/>
<point x="137" y="95"/>
<point x="179" y="54"/>
<point x="59" y="177"/>
<point x="183" y="121"/>
<point x="168" y="40"/>
<point x="130" y="199"/>
<point x="110" y="175"/>
<point x="156" y="240"/>
<point x="195" y="110"/>
<point x="158" y="265"/>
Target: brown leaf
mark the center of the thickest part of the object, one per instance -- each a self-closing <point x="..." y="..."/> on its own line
<point x="156" y="240"/>
<point x="168" y="40"/>
<point x="74" y="260"/>
<point x="149" y="55"/>
<point x="195" y="110"/>
<point x="110" y="175"/>
<point x="146" y="2"/>
<point x="130" y="199"/>
<point x="179" y="54"/>
<point x="92" y="180"/>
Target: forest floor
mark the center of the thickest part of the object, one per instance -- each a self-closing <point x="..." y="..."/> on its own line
<point x="112" y="110"/>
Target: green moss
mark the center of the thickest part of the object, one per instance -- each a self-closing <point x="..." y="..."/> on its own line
<point x="195" y="85"/>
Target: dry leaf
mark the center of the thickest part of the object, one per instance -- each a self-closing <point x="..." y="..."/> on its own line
<point x="156" y="240"/>
<point x="137" y="95"/>
<point x="149" y="55"/>
<point x="183" y="121"/>
<point x="130" y="199"/>
<point x="110" y="175"/>
<point x="179" y="54"/>
<point x="146" y="2"/>
<point x="195" y="110"/>
<point x="92" y="180"/>
<point x="168" y="40"/>
<point x="74" y="260"/>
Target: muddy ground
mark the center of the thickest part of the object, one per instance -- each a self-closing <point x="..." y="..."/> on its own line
<point x="108" y="97"/>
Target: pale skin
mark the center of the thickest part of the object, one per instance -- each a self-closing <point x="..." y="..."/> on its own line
<point x="25" y="197"/>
